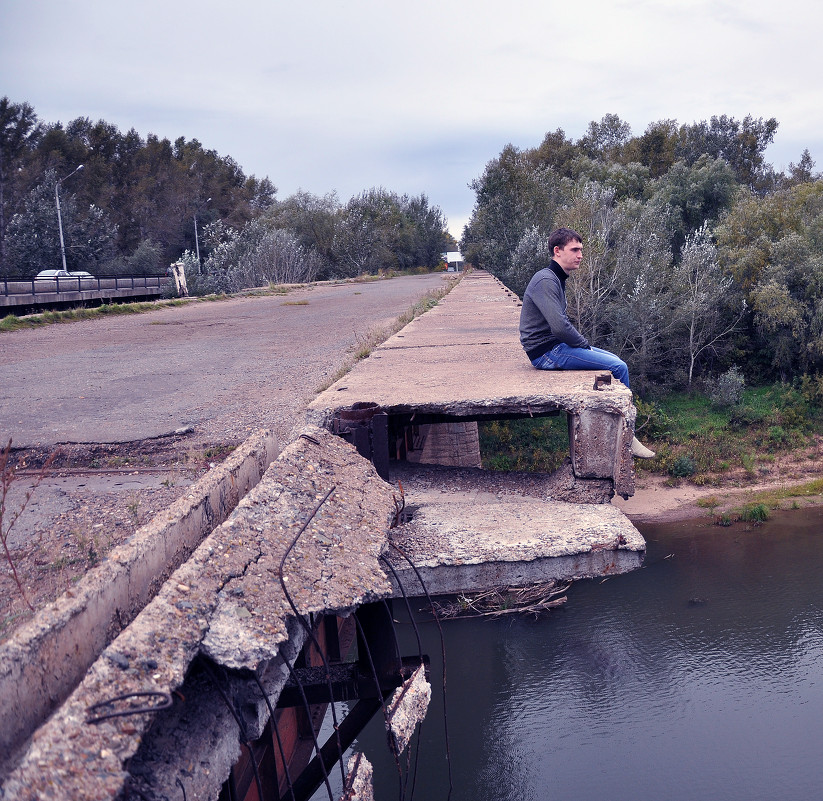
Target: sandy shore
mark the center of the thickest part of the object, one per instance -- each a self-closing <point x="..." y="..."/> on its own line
<point x="656" y="501"/>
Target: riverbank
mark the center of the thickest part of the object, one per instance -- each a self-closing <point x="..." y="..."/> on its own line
<point x="792" y="482"/>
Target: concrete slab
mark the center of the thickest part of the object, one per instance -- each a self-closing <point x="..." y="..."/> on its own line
<point x="47" y="657"/>
<point x="463" y="359"/>
<point x="472" y="531"/>
<point x="321" y="511"/>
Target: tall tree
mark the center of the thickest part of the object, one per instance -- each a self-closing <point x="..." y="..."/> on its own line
<point x="606" y="139"/>
<point x="708" y="300"/>
<point x="33" y="239"/>
<point x="642" y="310"/>
<point x="741" y="143"/>
<point x="19" y="132"/>
<point x="655" y="148"/>
<point x="697" y="193"/>
<point x="511" y="196"/>
<point x="592" y="212"/>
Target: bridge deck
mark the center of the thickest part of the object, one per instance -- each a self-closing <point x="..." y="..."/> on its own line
<point x="311" y="538"/>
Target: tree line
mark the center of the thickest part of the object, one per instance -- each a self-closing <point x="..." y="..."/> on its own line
<point x="699" y="258"/>
<point x="141" y="203"/>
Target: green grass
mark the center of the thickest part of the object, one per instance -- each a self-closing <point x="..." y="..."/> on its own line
<point x="687" y="430"/>
<point x="13" y="323"/>
<point x="538" y="444"/>
<point x="694" y="439"/>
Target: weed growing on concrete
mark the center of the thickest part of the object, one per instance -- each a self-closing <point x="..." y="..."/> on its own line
<point x="133" y="507"/>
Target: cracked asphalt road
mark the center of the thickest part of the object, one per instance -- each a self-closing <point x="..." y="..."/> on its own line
<point x="225" y="367"/>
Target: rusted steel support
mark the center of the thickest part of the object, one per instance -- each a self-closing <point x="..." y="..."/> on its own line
<point x="367" y="428"/>
<point x="311" y="778"/>
<point x="348" y="682"/>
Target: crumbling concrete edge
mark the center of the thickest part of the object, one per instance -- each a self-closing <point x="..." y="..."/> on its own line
<point x="70" y="760"/>
<point x="48" y="657"/>
<point x="458" y="579"/>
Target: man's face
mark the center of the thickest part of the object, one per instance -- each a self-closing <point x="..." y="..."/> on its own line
<point x="569" y="257"/>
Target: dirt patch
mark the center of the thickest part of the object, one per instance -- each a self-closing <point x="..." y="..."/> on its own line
<point x="91" y="498"/>
<point x="664" y="499"/>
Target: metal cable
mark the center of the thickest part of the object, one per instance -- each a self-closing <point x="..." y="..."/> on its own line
<point x="164" y="703"/>
<point x="408" y="606"/>
<point x="443" y="654"/>
<point x="310" y="631"/>
<point x="377" y="687"/>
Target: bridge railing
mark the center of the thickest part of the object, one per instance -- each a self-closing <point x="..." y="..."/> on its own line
<point x="72" y="283"/>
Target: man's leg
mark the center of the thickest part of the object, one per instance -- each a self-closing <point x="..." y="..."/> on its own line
<point x="563" y="357"/>
<point x="567" y="358"/>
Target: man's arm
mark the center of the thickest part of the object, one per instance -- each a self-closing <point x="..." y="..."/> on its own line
<point x="550" y="300"/>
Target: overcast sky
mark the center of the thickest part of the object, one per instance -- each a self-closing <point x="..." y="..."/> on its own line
<point x="414" y="97"/>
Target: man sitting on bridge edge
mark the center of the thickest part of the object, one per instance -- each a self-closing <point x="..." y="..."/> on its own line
<point x="550" y="340"/>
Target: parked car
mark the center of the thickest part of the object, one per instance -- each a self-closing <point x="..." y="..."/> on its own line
<point x="51" y="275"/>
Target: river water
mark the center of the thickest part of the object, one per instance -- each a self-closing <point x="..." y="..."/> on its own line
<point x="698" y="676"/>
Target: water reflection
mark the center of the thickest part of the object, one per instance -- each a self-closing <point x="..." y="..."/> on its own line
<point x="699" y="676"/>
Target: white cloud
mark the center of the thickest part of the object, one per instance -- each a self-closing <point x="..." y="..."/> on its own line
<point x="418" y="96"/>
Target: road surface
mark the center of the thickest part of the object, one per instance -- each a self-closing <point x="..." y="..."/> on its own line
<point x="225" y="368"/>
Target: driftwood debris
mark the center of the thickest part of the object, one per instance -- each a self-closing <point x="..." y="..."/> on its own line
<point x="533" y="599"/>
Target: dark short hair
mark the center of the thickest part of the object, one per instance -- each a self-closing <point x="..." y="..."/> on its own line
<point x="561" y="237"/>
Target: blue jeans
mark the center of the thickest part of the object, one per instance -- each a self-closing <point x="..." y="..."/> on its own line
<point x="564" y="357"/>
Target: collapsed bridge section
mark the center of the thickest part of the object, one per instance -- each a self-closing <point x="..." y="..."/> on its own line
<point x="326" y="536"/>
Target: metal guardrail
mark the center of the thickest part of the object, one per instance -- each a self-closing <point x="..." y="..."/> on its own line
<point x="61" y="284"/>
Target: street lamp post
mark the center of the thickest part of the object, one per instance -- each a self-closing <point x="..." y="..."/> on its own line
<point x="59" y="216"/>
<point x="197" y="241"/>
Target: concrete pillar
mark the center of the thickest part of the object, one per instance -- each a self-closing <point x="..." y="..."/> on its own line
<point x="449" y="444"/>
<point x="600" y="445"/>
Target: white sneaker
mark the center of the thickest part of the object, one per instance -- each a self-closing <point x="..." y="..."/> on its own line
<point x="640" y="450"/>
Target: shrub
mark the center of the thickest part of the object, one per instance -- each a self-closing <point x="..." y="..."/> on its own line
<point x="746" y="416"/>
<point x="755" y="513"/>
<point x="727" y="389"/>
<point x="651" y="419"/>
<point x="683" y="467"/>
<point x="778" y="435"/>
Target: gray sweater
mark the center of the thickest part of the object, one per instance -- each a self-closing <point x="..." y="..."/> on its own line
<point x="543" y="320"/>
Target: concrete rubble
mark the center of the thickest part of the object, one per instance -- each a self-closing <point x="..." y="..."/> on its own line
<point x="474" y="530"/>
<point x="231" y="583"/>
<point x="406" y="708"/>
<point x="358" y="779"/>
<point x="47" y="657"/>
